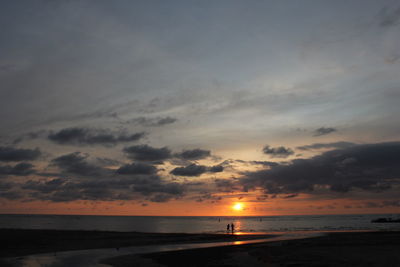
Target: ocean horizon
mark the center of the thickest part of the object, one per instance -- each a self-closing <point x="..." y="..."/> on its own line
<point x="199" y="224"/>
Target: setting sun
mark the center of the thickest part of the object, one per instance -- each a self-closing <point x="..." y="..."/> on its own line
<point x="238" y="206"/>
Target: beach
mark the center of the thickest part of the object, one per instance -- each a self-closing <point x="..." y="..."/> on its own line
<point x="330" y="249"/>
<point x="333" y="249"/>
<point x="18" y="242"/>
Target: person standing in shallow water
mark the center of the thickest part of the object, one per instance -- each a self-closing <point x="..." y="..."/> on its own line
<point x="232" y="227"/>
<point x="227" y="227"/>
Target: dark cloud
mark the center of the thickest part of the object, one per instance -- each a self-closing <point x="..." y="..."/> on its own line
<point x="324" y="131"/>
<point x="166" y="120"/>
<point x="4" y="186"/>
<point x="20" y="169"/>
<point x="216" y="168"/>
<point x="63" y="195"/>
<point x="5" y="68"/>
<point x="30" y="136"/>
<point x="148" y="187"/>
<point x="86" y="136"/>
<point x="137" y="168"/>
<point x="152" y="122"/>
<point x="43" y="186"/>
<point x="209" y="197"/>
<point x="290" y="196"/>
<point x="147" y="153"/>
<point x="391" y="203"/>
<point x="18" y="154"/>
<point x="227" y="163"/>
<point x="107" y="162"/>
<point x="190" y="170"/>
<point x="161" y="198"/>
<point x="392" y="59"/>
<point x="71" y="192"/>
<point x="278" y="152"/>
<point x="11" y="195"/>
<point x="75" y="163"/>
<point x="223" y="182"/>
<point x="226" y="185"/>
<point x="381" y="204"/>
<point x="316" y="146"/>
<point x="195" y="170"/>
<point x="264" y="163"/>
<point x="194" y="154"/>
<point x="174" y="189"/>
<point x="389" y="17"/>
<point x="370" y="167"/>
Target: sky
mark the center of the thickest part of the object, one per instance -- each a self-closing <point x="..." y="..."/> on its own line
<point x="189" y="107"/>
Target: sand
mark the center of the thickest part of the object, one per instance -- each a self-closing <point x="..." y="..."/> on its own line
<point x="15" y="242"/>
<point x="336" y="249"/>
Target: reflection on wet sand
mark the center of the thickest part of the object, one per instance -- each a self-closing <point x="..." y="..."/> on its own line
<point x="92" y="257"/>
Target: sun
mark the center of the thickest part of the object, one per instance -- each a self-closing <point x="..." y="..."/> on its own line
<point x="238" y="206"/>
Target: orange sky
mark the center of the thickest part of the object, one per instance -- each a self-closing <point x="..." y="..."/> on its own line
<point x="193" y="208"/>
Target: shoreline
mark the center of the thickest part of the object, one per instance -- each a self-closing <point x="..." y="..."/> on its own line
<point x="22" y="242"/>
<point x="379" y="248"/>
<point x="338" y="248"/>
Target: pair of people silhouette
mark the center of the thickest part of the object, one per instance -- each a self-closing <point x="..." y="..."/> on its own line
<point x="230" y="227"/>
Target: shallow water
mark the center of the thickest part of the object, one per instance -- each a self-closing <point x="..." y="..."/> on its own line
<point x="92" y="257"/>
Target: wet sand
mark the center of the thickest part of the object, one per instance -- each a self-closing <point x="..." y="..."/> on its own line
<point x="334" y="249"/>
<point x="15" y="242"/>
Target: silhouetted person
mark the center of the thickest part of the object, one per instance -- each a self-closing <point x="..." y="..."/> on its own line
<point x="232" y="227"/>
<point x="227" y="227"/>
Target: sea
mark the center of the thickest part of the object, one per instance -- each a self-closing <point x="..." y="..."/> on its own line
<point x="201" y="224"/>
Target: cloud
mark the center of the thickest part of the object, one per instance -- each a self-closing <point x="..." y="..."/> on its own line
<point x="18" y="154"/>
<point x="216" y="168"/>
<point x="381" y="204"/>
<point x="11" y="195"/>
<point x="264" y="163"/>
<point x="44" y="186"/>
<point x="251" y="162"/>
<point x="104" y="189"/>
<point x="389" y="17"/>
<point x="137" y="168"/>
<point x="175" y="189"/>
<point x="161" y="198"/>
<point x="316" y="146"/>
<point x="369" y="167"/>
<point x="5" y="186"/>
<point x="391" y="203"/>
<point x="278" y="152"/>
<point x="147" y="153"/>
<point x="392" y="58"/>
<point x="144" y="187"/>
<point x="195" y="170"/>
<point x="20" y="169"/>
<point x="290" y="196"/>
<point x="152" y="122"/>
<point x="76" y="163"/>
<point x="86" y="136"/>
<point x="6" y="68"/>
<point x="324" y="131"/>
<point x="30" y="136"/>
<point x="105" y="162"/>
<point x="226" y="185"/>
<point x="190" y="170"/>
<point x="194" y="154"/>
